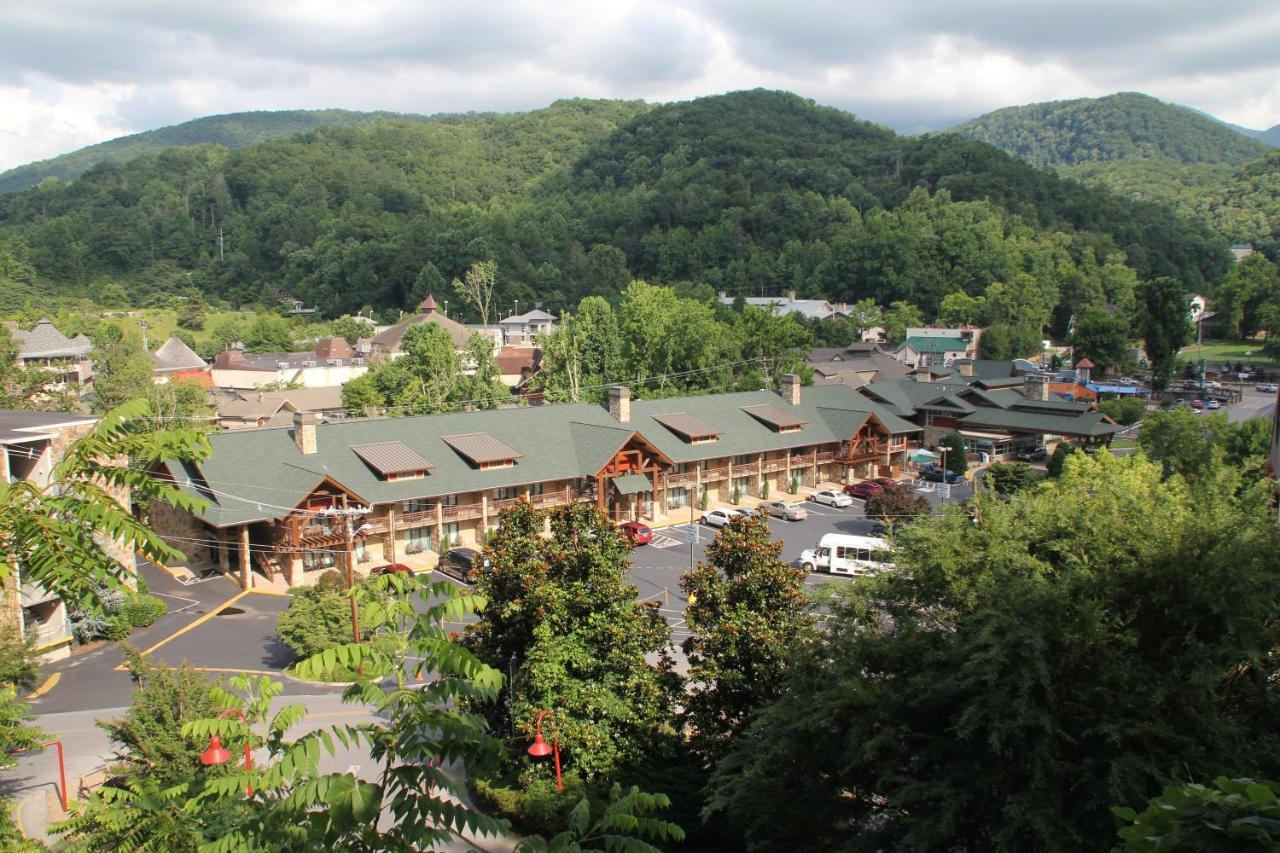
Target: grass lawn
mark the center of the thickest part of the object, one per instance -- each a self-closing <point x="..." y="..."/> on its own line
<point x="1228" y="351"/>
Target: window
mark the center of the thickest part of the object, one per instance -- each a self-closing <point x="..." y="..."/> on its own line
<point x="505" y="493"/>
<point x="417" y="540"/>
<point x="743" y="459"/>
<point x="677" y="497"/>
<point x="449" y="500"/>
<point x="535" y="489"/>
<point x="416" y="505"/>
<point x="451" y="532"/>
<point x="702" y="439"/>
<point x="315" y="560"/>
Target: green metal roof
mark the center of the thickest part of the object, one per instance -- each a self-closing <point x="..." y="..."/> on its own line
<point x="929" y="344"/>
<point x="259" y="474"/>
<point x="632" y="484"/>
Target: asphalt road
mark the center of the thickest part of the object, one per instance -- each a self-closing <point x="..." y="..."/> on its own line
<point x="1251" y="404"/>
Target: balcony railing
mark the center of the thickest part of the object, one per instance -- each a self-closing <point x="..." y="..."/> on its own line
<point x="685" y="478"/>
<point x="550" y="498"/>
<point x="417" y="519"/>
<point x="498" y="506"/>
<point x="823" y="458"/>
<point x="775" y="465"/>
<point x="710" y="474"/>
<point x="461" y="511"/>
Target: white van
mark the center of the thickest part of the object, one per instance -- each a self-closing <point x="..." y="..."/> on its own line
<point x="841" y="554"/>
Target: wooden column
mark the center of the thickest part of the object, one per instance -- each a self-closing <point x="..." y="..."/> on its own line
<point x="484" y="518"/>
<point x="657" y="507"/>
<point x="760" y="475"/>
<point x="244" y="557"/>
<point x="788" y="469"/>
<point x="814" y="464"/>
<point x="440" y="527"/>
<point x="390" y="549"/>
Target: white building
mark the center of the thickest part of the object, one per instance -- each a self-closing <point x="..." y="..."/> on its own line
<point x="331" y="363"/>
<point x="519" y="330"/>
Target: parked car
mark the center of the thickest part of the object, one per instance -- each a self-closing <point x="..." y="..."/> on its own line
<point x="393" y="569"/>
<point x="878" y="528"/>
<point x="1213" y="404"/>
<point x="1267" y="387"/>
<point x="830" y="497"/>
<point x="934" y="474"/>
<point x="745" y="512"/>
<point x="1032" y="454"/>
<point x="885" y="482"/>
<point x="1197" y="404"/>
<point x="636" y="533"/>
<point x="461" y="564"/>
<point x="863" y="490"/>
<point x="718" y="517"/>
<point x="786" y="511"/>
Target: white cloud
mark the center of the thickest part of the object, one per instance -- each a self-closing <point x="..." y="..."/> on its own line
<point x="74" y="72"/>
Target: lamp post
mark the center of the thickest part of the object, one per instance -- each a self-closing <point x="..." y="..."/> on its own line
<point x="540" y="749"/>
<point x="217" y="754"/>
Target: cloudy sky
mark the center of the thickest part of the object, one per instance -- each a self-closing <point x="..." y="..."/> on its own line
<point x="74" y="72"/>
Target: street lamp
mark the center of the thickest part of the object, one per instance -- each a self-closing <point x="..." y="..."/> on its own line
<point x="540" y="749"/>
<point x="217" y="754"/>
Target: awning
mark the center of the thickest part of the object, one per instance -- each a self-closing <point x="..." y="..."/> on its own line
<point x="988" y="436"/>
<point x="632" y="484"/>
<point x="923" y="455"/>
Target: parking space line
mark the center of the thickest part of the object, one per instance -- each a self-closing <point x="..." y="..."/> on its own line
<point x="195" y="624"/>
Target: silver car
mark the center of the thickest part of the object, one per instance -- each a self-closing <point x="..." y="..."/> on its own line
<point x="831" y="497"/>
<point x="790" y="512"/>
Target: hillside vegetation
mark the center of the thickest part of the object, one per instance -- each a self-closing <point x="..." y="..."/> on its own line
<point x="1117" y="127"/>
<point x="233" y="130"/>
<point x="747" y="192"/>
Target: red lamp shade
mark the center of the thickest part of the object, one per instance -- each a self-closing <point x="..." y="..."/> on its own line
<point x="539" y="748"/>
<point x="216" y="754"/>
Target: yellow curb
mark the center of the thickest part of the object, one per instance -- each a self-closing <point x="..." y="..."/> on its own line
<point x="16" y="811"/>
<point x="196" y="624"/>
<point x="49" y="683"/>
<point x="267" y="592"/>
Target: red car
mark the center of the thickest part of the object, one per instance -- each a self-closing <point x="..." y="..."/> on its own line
<point x="863" y="490"/>
<point x="393" y="568"/>
<point x="636" y="533"/>
<point x="885" y="482"/>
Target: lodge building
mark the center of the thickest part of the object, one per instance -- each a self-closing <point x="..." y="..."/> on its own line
<point x="287" y="503"/>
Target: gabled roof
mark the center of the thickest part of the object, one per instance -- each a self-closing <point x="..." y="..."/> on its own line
<point x="391" y="457"/>
<point x="45" y="341"/>
<point x="481" y="448"/>
<point x="1079" y="424"/>
<point x="333" y="347"/>
<point x="536" y="315"/>
<point x="174" y="355"/>
<point x="687" y="425"/>
<point x="252" y="405"/>
<point x="388" y="340"/>
<point x="18" y="426"/>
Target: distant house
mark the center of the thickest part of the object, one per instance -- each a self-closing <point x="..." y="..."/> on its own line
<point x="816" y="309"/>
<point x="31" y="445"/>
<point x="932" y="346"/>
<point x="174" y="361"/>
<point x="1197" y="305"/>
<point x="249" y="409"/>
<point x="518" y="365"/>
<point x="1240" y="251"/>
<point x="855" y="364"/>
<point x="519" y="330"/>
<point x="46" y="348"/>
<point x="386" y="343"/>
<point x="332" y="362"/>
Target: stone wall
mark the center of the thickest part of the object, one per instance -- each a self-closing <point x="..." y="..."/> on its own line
<point x="176" y="526"/>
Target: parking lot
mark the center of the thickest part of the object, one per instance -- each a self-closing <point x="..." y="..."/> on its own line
<point x="657" y="567"/>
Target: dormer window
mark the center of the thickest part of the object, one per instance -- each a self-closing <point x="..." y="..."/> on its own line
<point x="393" y="460"/>
<point x="692" y="429"/>
<point x="777" y="419"/>
<point x="483" y="450"/>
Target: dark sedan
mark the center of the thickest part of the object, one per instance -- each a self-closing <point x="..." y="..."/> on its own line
<point x="461" y="564"/>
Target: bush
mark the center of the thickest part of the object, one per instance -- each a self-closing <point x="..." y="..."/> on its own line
<point x="896" y="505"/>
<point x="318" y="617"/>
<point x="1008" y="478"/>
<point x="537" y="807"/>
<point x="139" y="611"/>
<point x="703" y="501"/>
<point x="1127" y="410"/>
<point x="764" y="491"/>
<point x="1234" y="814"/>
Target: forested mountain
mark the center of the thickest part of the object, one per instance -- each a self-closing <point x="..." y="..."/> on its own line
<point x="233" y="130"/>
<point x="744" y="192"/>
<point x="1117" y="127"/>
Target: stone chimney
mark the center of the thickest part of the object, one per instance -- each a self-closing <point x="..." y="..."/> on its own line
<point x="1035" y="386"/>
<point x="791" y="388"/>
<point x="620" y="403"/>
<point x="304" y="432"/>
<point x="964" y="365"/>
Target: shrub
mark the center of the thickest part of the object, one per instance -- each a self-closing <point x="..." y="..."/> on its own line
<point x="318" y="618"/>
<point x="957" y="462"/>
<point x="537" y="807"/>
<point x="142" y="610"/>
<point x="737" y="494"/>
<point x="1008" y="478"/>
<point x="897" y="505"/>
<point x="795" y="485"/>
<point x="764" y="491"/>
<point x="704" y="500"/>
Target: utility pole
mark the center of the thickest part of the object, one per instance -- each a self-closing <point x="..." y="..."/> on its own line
<point x="221" y="256"/>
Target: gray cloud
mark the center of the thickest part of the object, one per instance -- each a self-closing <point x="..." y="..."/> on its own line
<point x="87" y="70"/>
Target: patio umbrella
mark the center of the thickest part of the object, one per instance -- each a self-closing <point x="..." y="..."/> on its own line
<point x="923" y="455"/>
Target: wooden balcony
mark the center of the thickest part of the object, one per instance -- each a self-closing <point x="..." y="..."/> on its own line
<point x="550" y="499"/>
<point x="824" y="458"/>
<point x="496" y="507"/>
<point x="460" y="512"/>
<point x="377" y="525"/>
<point x="686" y="478"/>
<point x="711" y="474"/>
<point x="775" y="465"/>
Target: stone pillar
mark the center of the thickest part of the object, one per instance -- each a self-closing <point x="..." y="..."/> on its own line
<point x="244" y="557"/>
<point x="440" y="527"/>
<point x="760" y="475"/>
<point x="788" y="470"/>
<point x="224" y="553"/>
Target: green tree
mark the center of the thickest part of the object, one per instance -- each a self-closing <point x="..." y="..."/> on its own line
<point x="1124" y="410"/>
<point x="1237" y="815"/>
<point x="563" y="618"/>
<point x="268" y="333"/>
<point x="1059" y="457"/>
<point x="1039" y="663"/>
<point x="1242" y="299"/>
<point x="481" y="385"/>
<point x="349" y="329"/>
<point x="1166" y="326"/>
<point x="623" y="825"/>
<point x="1009" y="478"/>
<point x="960" y="309"/>
<point x="149" y="736"/>
<point x="956" y="460"/>
<point x="1101" y="337"/>
<point x="123" y="370"/>
<point x="897" y="317"/>
<point x="318" y="617"/>
<point x="747" y="614"/>
<point x="865" y="314"/>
